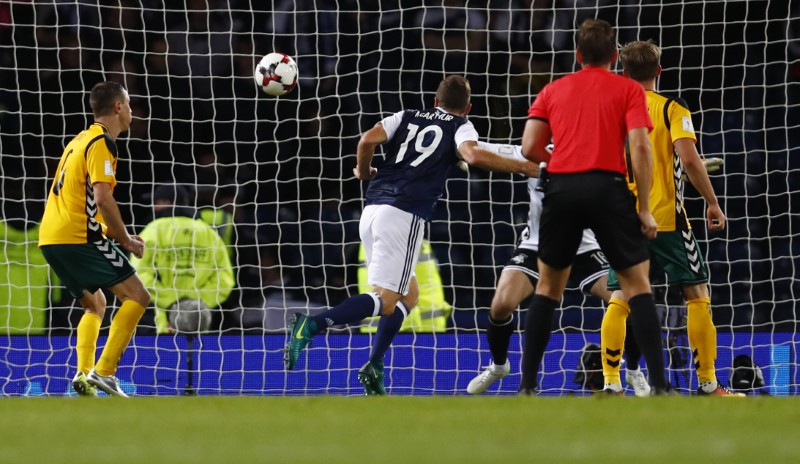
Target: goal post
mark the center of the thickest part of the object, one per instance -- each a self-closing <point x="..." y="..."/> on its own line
<point x="274" y="176"/>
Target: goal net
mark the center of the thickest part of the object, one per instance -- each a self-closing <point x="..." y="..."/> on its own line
<point x="274" y="176"/>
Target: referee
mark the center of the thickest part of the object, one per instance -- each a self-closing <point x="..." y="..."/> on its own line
<point x="588" y="116"/>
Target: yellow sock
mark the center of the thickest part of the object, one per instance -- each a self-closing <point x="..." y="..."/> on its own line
<point x="702" y="338"/>
<point x="122" y="328"/>
<point x="86" y="346"/>
<point x="612" y="338"/>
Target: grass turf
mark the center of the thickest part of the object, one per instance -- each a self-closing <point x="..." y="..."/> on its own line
<point x="329" y="429"/>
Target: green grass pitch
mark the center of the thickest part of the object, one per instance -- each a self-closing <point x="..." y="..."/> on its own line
<point x="332" y="429"/>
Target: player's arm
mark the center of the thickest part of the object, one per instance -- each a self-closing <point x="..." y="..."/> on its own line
<point x="696" y="172"/>
<point x="504" y="150"/>
<point x="366" y="150"/>
<point x="116" y="228"/>
<point x="535" y="138"/>
<point x="479" y="157"/>
<point x="642" y="161"/>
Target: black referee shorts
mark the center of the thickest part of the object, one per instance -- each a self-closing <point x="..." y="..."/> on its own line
<point x="597" y="200"/>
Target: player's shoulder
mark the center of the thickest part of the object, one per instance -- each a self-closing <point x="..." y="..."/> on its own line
<point x="669" y="99"/>
<point x="100" y="135"/>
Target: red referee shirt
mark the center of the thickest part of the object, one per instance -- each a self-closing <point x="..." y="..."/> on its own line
<point x="590" y="113"/>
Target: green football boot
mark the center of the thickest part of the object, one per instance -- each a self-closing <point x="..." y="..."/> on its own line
<point x="82" y="386"/>
<point x="371" y="376"/>
<point x="300" y="337"/>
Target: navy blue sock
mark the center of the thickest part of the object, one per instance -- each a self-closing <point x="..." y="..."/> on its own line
<point x="350" y="310"/>
<point x="538" y="326"/>
<point x="388" y="326"/>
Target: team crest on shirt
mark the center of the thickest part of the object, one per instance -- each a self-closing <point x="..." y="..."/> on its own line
<point x="107" y="168"/>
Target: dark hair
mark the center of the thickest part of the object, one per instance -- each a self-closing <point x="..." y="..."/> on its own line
<point x="454" y="93"/>
<point x="596" y="42"/>
<point x="640" y="59"/>
<point x="103" y="97"/>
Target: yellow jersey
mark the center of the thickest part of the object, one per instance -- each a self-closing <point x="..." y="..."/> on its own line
<point x="671" y="121"/>
<point x="71" y="215"/>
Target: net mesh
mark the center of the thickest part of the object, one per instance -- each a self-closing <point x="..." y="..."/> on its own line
<point x="282" y="168"/>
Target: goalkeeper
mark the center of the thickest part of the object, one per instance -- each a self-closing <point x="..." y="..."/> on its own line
<point x="185" y="258"/>
<point x="675" y="247"/>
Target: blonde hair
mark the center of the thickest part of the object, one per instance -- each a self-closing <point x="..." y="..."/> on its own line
<point x="640" y="59"/>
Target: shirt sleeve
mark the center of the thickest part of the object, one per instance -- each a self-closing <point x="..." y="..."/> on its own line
<point x="506" y="151"/>
<point x="100" y="163"/>
<point x="391" y="123"/>
<point x="637" y="115"/>
<point x="466" y="132"/>
<point x="680" y="120"/>
<point x="538" y="109"/>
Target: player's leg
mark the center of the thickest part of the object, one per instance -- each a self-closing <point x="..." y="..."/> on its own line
<point x="616" y="339"/>
<point x="612" y="339"/>
<point x="392" y="246"/>
<point x="94" y="308"/>
<point x="539" y="322"/>
<point x="560" y="235"/>
<point x="703" y="340"/>
<point x="689" y="270"/>
<point x="135" y="298"/>
<point x="592" y="273"/>
<point x="371" y="373"/>
<point x="514" y="285"/>
<point x="392" y="239"/>
<point x="646" y="326"/>
<point x="634" y="376"/>
<point x="74" y="265"/>
<point x="702" y="335"/>
<point x="615" y="222"/>
<point x="389" y="325"/>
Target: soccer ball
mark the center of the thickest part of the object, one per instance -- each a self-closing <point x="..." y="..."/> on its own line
<point x="276" y="74"/>
<point x="190" y="316"/>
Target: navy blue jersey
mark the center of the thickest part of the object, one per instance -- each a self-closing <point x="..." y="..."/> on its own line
<point x="419" y="154"/>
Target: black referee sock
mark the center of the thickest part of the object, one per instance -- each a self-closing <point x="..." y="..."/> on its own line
<point x="499" y="335"/>
<point x="647" y="330"/>
<point x="538" y="326"/>
<point x="632" y="351"/>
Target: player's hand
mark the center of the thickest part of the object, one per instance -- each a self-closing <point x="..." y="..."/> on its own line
<point x="135" y="245"/>
<point x="649" y="225"/>
<point x="715" y="218"/>
<point x="363" y="174"/>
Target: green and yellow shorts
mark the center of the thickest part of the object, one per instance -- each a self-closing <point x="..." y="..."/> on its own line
<point x="679" y="254"/>
<point x="88" y="266"/>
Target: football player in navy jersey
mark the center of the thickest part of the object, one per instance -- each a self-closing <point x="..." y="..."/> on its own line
<point x="421" y="146"/>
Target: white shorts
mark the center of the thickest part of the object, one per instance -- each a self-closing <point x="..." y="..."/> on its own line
<point x="392" y="239"/>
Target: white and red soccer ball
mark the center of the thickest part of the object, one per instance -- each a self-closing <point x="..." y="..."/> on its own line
<point x="276" y="74"/>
